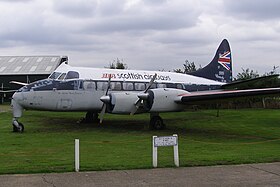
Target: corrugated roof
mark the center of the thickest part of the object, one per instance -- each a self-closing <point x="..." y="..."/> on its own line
<point x="27" y="65"/>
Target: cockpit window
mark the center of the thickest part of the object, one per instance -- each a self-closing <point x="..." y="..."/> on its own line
<point x="72" y="75"/>
<point x="61" y="77"/>
<point x="54" y="75"/>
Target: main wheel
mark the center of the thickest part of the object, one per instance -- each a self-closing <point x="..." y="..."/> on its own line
<point x="91" y="117"/>
<point x="156" y="123"/>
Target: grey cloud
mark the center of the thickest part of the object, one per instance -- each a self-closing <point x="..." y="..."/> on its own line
<point x="88" y="8"/>
<point x="157" y="2"/>
<point x="253" y="9"/>
<point x="126" y="24"/>
<point x="16" y="1"/>
<point x="141" y="19"/>
<point x="108" y="16"/>
<point x="108" y="8"/>
<point x="82" y="8"/>
<point x="147" y="34"/>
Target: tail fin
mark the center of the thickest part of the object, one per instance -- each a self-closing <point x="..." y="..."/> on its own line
<point x="220" y="68"/>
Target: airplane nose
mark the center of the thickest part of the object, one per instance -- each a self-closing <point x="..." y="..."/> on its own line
<point x="16" y="106"/>
<point x="17" y="97"/>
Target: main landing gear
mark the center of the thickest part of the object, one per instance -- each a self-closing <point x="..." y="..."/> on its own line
<point x="156" y="122"/>
<point x="91" y="117"/>
<point x="17" y="126"/>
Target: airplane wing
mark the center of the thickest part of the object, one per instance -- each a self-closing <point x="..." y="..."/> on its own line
<point x="203" y="97"/>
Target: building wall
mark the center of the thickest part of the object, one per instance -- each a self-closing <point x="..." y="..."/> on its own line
<point x="5" y="81"/>
<point x="25" y="69"/>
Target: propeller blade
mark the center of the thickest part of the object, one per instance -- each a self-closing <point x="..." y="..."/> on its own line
<point x="103" y="110"/>
<point x="142" y="96"/>
<point x="151" y="83"/>
<point x="102" y="113"/>
<point x="109" y="85"/>
<point x="135" y="107"/>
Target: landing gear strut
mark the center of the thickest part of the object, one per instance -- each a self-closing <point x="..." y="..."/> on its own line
<point x="17" y="126"/>
<point x="156" y="122"/>
<point x="91" y="117"/>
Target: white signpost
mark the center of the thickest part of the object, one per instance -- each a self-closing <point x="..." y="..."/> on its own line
<point x="77" y="155"/>
<point x="163" y="141"/>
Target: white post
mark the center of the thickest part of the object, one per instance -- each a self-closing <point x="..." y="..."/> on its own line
<point x="154" y="153"/>
<point x="77" y="155"/>
<point x="176" y="152"/>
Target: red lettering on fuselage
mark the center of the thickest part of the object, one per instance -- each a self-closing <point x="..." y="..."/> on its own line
<point x="108" y="75"/>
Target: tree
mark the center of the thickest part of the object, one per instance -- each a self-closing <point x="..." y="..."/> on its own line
<point x="188" y="67"/>
<point x="246" y="74"/>
<point x="273" y="71"/>
<point x="117" y="64"/>
<point x="267" y="80"/>
<point x="178" y="70"/>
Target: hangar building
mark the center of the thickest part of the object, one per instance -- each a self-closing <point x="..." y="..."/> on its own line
<point x="25" y="69"/>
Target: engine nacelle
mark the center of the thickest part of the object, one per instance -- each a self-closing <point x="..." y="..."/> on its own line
<point x="121" y="102"/>
<point x="163" y="100"/>
<point x="157" y="100"/>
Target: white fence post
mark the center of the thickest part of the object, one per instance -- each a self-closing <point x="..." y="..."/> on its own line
<point x="77" y="155"/>
<point x="176" y="152"/>
<point x="154" y="153"/>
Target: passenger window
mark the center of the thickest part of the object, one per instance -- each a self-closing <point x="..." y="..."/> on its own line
<point x="179" y="86"/>
<point x="153" y="85"/>
<point x="89" y="85"/>
<point x="112" y="85"/>
<point x="128" y="86"/>
<point x="171" y="85"/>
<point x="116" y="86"/>
<point x="102" y="85"/>
<point x="139" y="86"/>
<point x="81" y="86"/>
<point x="161" y="85"/>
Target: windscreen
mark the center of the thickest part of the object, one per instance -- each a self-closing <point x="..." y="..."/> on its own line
<point x="54" y="75"/>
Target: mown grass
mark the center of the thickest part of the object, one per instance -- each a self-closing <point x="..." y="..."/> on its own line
<point x="123" y="142"/>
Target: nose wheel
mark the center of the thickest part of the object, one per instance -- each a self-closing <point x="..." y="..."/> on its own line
<point x="17" y="126"/>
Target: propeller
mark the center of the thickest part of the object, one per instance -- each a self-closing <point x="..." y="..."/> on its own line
<point x="105" y="99"/>
<point x="143" y="95"/>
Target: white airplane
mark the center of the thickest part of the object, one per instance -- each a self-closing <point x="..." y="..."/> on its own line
<point x="129" y="91"/>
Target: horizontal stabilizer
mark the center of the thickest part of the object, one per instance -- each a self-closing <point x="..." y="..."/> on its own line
<point x="7" y="91"/>
<point x="19" y="83"/>
<point x="252" y="83"/>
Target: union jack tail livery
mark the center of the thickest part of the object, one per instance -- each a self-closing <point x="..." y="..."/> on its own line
<point x="225" y="60"/>
<point x="220" y="68"/>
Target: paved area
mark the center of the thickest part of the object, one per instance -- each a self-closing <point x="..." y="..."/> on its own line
<point x="238" y="175"/>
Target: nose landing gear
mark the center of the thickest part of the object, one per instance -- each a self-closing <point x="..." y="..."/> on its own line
<point x="17" y="126"/>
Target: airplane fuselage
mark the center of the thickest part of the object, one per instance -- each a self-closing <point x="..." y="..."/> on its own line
<point x="80" y="89"/>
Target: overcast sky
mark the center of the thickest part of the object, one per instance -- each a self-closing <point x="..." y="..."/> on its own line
<point x="146" y="34"/>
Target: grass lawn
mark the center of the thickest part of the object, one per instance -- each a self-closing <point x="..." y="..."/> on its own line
<point x="123" y="142"/>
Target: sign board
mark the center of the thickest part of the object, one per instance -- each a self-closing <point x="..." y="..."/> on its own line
<point x="165" y="141"/>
